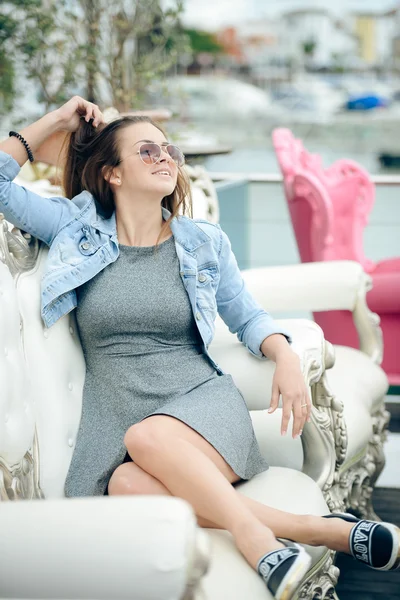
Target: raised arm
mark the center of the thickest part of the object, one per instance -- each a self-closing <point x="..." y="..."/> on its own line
<point x="47" y="134"/>
<point x="41" y="217"/>
<point x="35" y="134"/>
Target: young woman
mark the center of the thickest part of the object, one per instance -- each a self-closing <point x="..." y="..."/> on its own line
<point x="159" y="416"/>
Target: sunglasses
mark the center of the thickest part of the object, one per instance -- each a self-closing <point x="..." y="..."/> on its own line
<point x="150" y="153"/>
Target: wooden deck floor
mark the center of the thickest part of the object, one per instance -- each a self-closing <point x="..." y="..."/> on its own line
<point x="356" y="581"/>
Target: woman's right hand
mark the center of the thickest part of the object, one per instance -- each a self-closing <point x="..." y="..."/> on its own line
<point x="70" y="113"/>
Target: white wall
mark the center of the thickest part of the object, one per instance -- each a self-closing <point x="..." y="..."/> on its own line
<point x="298" y="28"/>
<point x="386" y="29"/>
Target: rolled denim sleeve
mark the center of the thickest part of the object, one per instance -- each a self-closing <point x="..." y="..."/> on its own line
<point x="237" y="307"/>
<point x="39" y="216"/>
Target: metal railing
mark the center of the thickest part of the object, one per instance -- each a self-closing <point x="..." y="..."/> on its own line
<point x="378" y="180"/>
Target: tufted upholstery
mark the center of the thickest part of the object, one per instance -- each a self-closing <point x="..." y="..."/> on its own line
<point x="56" y="369"/>
<point x="17" y="405"/>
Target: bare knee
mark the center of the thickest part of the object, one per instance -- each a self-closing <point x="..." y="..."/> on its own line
<point x="123" y="480"/>
<point x="146" y="437"/>
<point x="151" y="438"/>
<point x="129" y="479"/>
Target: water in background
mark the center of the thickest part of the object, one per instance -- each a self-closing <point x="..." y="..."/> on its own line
<point x="253" y="152"/>
<point x="260" y="158"/>
<point x="229" y="112"/>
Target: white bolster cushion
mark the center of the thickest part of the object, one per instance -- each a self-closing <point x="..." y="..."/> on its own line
<point x="121" y="547"/>
<point x="318" y="286"/>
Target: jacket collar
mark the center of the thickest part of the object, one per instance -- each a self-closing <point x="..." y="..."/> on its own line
<point x="185" y="231"/>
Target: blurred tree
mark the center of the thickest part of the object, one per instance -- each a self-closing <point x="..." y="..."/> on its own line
<point x="44" y="42"/>
<point x="142" y="43"/>
<point x="91" y="16"/>
<point x="202" y="41"/>
<point x="85" y="46"/>
<point x="8" y="26"/>
<point x="309" y="47"/>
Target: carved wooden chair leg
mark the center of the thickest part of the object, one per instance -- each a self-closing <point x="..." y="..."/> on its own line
<point x="373" y="463"/>
<point x="322" y="580"/>
<point x="380" y="422"/>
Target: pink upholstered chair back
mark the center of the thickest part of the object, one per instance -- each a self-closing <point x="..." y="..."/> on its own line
<point x="329" y="208"/>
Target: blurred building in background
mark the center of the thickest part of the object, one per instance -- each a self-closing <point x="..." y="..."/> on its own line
<point x="315" y="38"/>
<point x="376" y="33"/>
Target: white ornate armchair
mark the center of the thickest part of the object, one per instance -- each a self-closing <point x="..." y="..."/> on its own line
<point x="148" y="547"/>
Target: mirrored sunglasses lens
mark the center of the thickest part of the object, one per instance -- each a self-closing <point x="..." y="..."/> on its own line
<point x="176" y="154"/>
<point x="150" y="153"/>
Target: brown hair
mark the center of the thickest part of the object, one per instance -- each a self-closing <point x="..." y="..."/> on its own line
<point x="93" y="152"/>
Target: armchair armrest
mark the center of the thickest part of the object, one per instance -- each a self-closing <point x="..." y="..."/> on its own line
<point x="320" y="286"/>
<point x="142" y="547"/>
<point x="253" y="377"/>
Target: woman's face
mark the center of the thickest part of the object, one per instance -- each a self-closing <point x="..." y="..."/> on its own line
<point x="158" y="179"/>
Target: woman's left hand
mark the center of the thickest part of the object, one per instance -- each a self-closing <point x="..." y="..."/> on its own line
<point x="289" y="382"/>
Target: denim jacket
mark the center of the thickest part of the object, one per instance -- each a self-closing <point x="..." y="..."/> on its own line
<point x="82" y="243"/>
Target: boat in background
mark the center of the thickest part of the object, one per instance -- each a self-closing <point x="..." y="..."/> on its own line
<point x="367" y="102"/>
<point x="388" y="160"/>
<point x="214" y="99"/>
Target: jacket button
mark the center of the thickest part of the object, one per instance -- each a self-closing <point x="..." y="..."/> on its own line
<point x="198" y="316"/>
<point x="70" y="442"/>
<point x="202" y="278"/>
<point x="86" y="245"/>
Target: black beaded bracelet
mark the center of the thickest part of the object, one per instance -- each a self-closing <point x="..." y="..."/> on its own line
<point x="25" y="143"/>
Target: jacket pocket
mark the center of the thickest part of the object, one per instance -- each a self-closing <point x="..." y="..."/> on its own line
<point x="73" y="249"/>
<point x="206" y="287"/>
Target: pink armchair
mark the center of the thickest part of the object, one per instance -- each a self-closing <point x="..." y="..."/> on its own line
<point x="329" y="209"/>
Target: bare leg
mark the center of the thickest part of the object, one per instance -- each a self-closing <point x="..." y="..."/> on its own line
<point x="181" y="460"/>
<point x="160" y="446"/>
<point x="306" y="529"/>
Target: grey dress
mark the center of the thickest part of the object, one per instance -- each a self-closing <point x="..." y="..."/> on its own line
<point x="144" y="357"/>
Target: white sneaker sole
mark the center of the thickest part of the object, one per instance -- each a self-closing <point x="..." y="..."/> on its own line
<point x="290" y="583"/>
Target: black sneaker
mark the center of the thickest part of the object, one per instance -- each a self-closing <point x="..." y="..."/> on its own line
<point x="284" y="569"/>
<point x="375" y="544"/>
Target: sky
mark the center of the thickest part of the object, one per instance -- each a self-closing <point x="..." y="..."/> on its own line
<point x="212" y="14"/>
